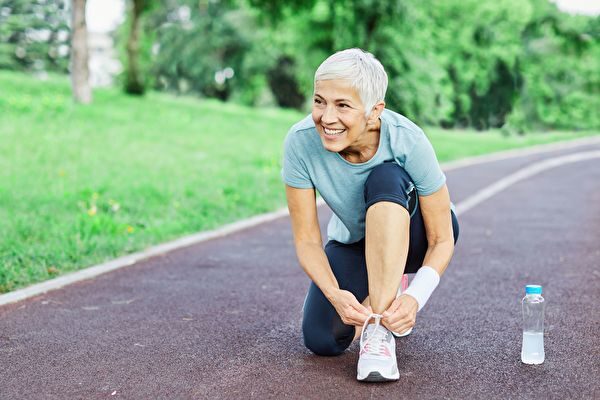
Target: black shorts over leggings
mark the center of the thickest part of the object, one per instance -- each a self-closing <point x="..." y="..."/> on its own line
<point x="324" y="332"/>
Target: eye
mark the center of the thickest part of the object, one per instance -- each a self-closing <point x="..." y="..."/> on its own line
<point x="317" y="101"/>
<point x="344" y="105"/>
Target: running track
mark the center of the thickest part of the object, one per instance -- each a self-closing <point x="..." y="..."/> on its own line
<point x="221" y="319"/>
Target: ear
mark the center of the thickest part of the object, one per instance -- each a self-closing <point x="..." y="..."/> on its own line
<point x="376" y="112"/>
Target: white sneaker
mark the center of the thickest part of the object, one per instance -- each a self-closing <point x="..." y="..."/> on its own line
<point x="377" y="358"/>
<point x="401" y="289"/>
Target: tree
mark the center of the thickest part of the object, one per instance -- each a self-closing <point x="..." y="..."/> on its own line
<point x="561" y="61"/>
<point x="397" y="33"/>
<point x="479" y="45"/>
<point x="80" y="73"/>
<point x="513" y="64"/>
<point x="134" y="81"/>
<point x="200" y="46"/>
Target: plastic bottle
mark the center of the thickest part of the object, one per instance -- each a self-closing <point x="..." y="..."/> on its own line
<point x="532" y="351"/>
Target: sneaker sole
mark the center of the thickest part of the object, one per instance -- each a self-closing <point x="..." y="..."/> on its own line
<point x="377" y="377"/>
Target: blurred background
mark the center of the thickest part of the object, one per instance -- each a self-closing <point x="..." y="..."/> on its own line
<point x="517" y="64"/>
<point x="126" y="123"/>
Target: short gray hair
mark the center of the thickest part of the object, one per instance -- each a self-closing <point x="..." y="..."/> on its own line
<point x="361" y="69"/>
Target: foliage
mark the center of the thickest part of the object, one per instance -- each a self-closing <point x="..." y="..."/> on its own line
<point x="513" y="64"/>
<point x="34" y="35"/>
<point x="561" y="72"/>
<point x="479" y="46"/>
<point x="516" y="64"/>
<point x="199" y="47"/>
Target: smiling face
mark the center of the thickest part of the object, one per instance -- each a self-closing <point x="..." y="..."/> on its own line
<point x="339" y="116"/>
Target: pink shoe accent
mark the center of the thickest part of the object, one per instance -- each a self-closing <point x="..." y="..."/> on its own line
<point x="404" y="282"/>
<point x="384" y="351"/>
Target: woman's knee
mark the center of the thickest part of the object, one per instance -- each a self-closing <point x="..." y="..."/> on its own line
<point x="390" y="182"/>
<point x="323" y="342"/>
<point x="324" y="332"/>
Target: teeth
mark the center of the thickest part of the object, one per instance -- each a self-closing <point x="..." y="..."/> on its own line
<point x="333" y="131"/>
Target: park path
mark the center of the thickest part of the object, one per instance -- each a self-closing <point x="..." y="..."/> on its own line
<point x="221" y="319"/>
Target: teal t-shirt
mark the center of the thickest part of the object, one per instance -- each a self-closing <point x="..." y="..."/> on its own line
<point x="306" y="164"/>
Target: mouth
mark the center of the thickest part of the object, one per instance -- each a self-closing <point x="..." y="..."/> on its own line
<point x="333" y="132"/>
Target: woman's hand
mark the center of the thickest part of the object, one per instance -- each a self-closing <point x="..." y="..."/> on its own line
<point x="401" y="315"/>
<point x="348" y="308"/>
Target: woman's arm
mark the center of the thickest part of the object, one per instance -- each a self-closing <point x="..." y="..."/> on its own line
<point x="307" y="238"/>
<point x="435" y="209"/>
<point x="312" y="257"/>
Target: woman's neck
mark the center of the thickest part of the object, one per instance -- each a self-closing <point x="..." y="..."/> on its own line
<point x="366" y="148"/>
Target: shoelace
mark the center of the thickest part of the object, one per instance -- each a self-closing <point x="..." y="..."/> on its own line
<point x="374" y="343"/>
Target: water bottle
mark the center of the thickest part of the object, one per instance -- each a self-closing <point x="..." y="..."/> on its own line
<point x="532" y="351"/>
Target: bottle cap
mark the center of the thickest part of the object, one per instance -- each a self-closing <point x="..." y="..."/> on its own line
<point x="533" y="289"/>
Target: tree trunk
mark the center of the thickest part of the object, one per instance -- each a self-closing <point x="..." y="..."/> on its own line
<point x="134" y="83"/>
<point x="80" y="73"/>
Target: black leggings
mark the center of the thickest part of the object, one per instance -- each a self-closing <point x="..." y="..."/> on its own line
<point x="324" y="332"/>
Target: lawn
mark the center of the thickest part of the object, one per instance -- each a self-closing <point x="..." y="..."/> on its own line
<point x="81" y="185"/>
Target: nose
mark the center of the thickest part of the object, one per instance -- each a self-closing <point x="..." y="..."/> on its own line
<point x="329" y="115"/>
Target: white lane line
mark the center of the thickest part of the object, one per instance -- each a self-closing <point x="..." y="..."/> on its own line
<point x="93" y="271"/>
<point x="520" y="175"/>
<point x="133" y="258"/>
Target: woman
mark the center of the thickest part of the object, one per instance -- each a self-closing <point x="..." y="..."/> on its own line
<point x="392" y="214"/>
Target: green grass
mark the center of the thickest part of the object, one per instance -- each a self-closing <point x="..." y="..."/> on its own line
<point x="81" y="185"/>
<point x="457" y="144"/>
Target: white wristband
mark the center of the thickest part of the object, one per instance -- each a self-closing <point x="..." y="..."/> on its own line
<point x="423" y="284"/>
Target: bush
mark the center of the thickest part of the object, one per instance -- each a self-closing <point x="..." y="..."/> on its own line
<point x="34" y="35"/>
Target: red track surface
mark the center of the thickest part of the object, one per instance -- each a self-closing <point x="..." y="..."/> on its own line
<point x="222" y="319"/>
